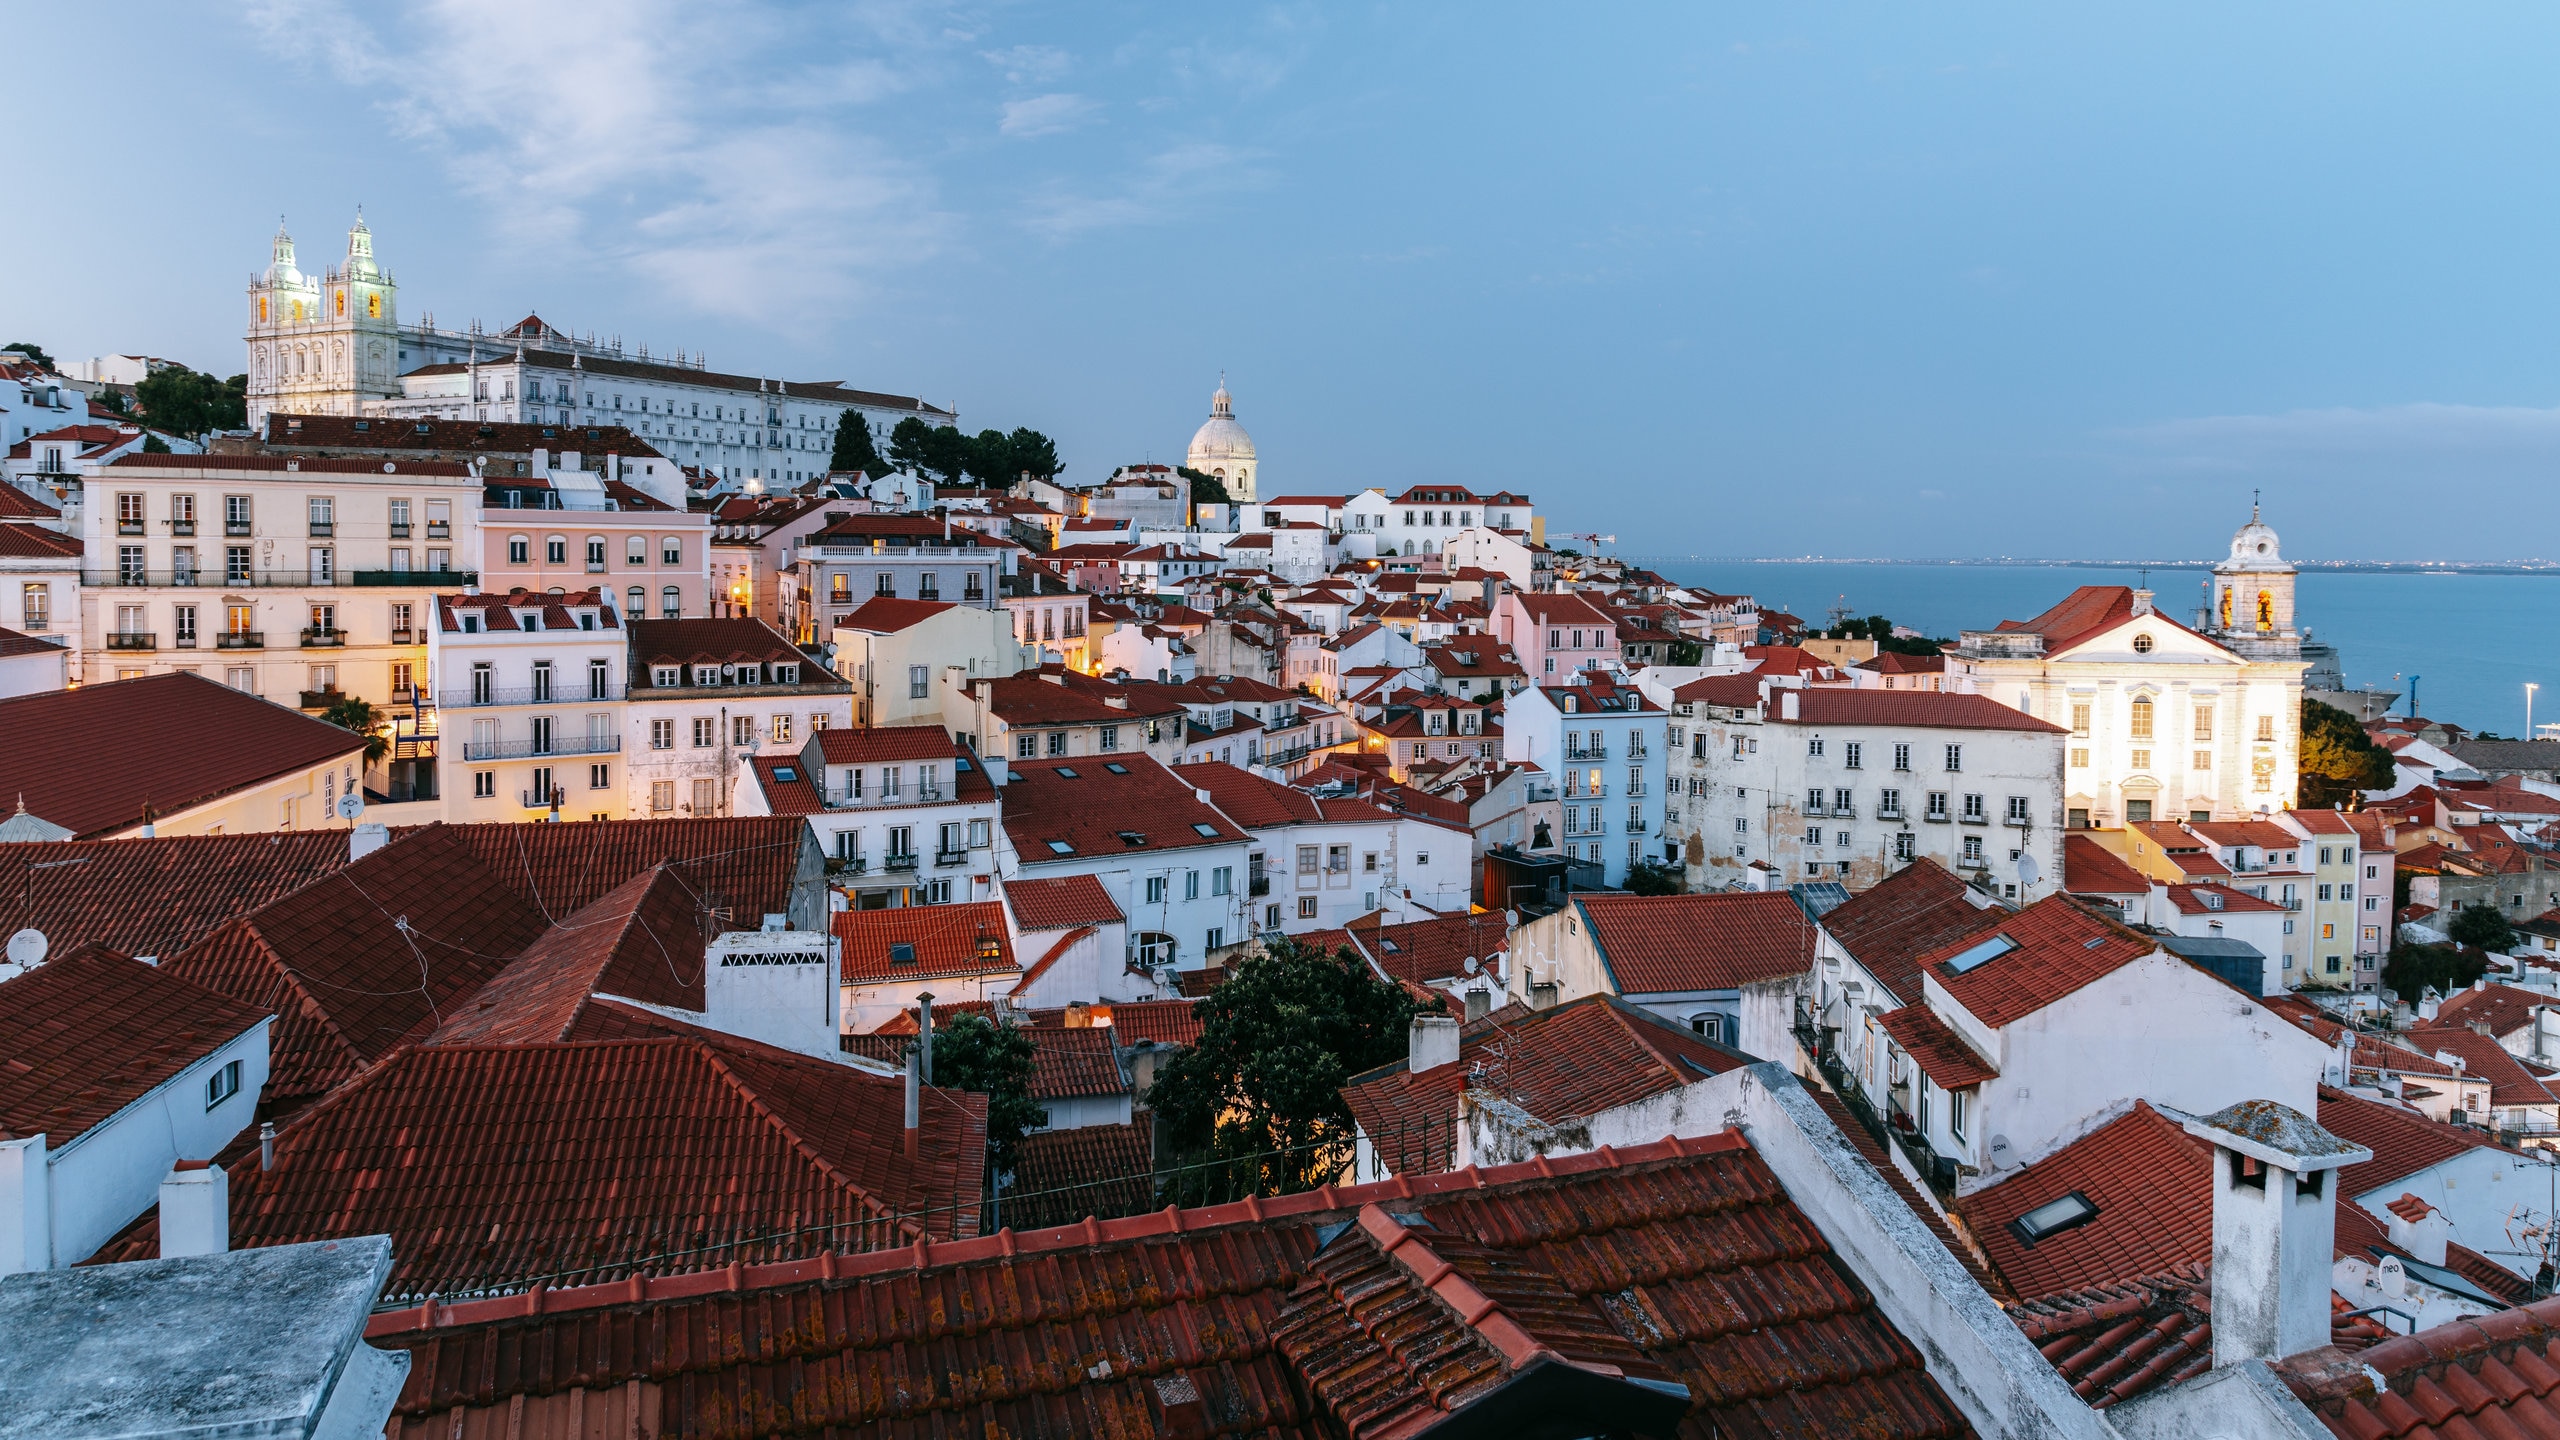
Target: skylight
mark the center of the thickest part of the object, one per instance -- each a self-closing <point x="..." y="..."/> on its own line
<point x="902" y="953"/>
<point x="1066" y="774"/>
<point x="1204" y="829"/>
<point x="1061" y="847"/>
<point x="2052" y="1218"/>
<point x="1980" y="954"/>
<point x="1117" y="769"/>
<point x="1133" y="837"/>
<point x="785" y="774"/>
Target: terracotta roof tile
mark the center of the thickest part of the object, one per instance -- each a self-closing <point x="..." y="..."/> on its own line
<point x="91" y="1031"/>
<point x="1917" y="909"/>
<point x="1931" y="709"/>
<point x="2505" y="1009"/>
<point x="1422" y="951"/>
<point x="2149" y="1179"/>
<point x="34" y="542"/>
<point x="1061" y="1176"/>
<point x="2089" y="868"/>
<point x="745" y="867"/>
<point x="157" y="896"/>
<point x="644" y="941"/>
<point x="1653" y="943"/>
<point x="2494" y="1375"/>
<point x="1075" y="1064"/>
<point x="2403" y="1142"/>
<point x="887" y="614"/>
<point x="925" y="942"/>
<point x="2058" y="948"/>
<point x="234" y="743"/>
<point x="1061" y="902"/>
<point x="2509" y="1082"/>
<point x="1094" y="812"/>
<point x="1941" y="1054"/>
<point x="1744" y="1303"/>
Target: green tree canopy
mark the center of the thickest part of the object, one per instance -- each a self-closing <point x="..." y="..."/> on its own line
<point x="32" y="351"/>
<point x="997" y="459"/>
<point x="190" y="402"/>
<point x="1647" y="877"/>
<point x="1277" y="1042"/>
<point x="855" y="448"/>
<point x="2410" y="969"/>
<point x="972" y="1052"/>
<point x="2338" y="760"/>
<point x="351" y="713"/>
<point x="1206" y="489"/>
<point x="2484" y="926"/>
<point x="937" y="452"/>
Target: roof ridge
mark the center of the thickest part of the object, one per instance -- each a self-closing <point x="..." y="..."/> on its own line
<point x="755" y="1101"/>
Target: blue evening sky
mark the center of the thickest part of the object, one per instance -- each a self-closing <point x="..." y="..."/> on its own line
<point x="1720" y="279"/>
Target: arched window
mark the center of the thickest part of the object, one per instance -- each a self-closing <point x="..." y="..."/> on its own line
<point x="1708" y="1023"/>
<point x="636" y="606"/>
<point x="670" y="602"/>
<point x="1152" y="947"/>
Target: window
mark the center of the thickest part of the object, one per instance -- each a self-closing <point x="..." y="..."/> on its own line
<point x="2266" y="729"/>
<point x="235" y="514"/>
<point x="1854" y="755"/>
<point x="1157" y="889"/>
<point x="1973" y="809"/>
<point x="706" y="798"/>
<point x="1906" y="846"/>
<point x="1901" y="757"/>
<point x="182" y="513"/>
<point x="742" y="731"/>
<point x="919" y="682"/>
<point x="1057" y="742"/>
<point x="2080" y="718"/>
<point x="1222" y="881"/>
<point x="129" y="515"/>
<point x="670" y="603"/>
<point x="671" y="551"/>
<point x="2204" y="725"/>
<point x="2142" y="644"/>
<point x="1026" y="747"/>
<point x="1889" y="805"/>
<point x="324" y="514"/>
<point x="518" y="551"/>
<point x="1306" y="907"/>
<point x="484" y="784"/>
<point x="235" y="565"/>
<point x="555" y="551"/>
<point x="2017" y="814"/>
<point x="1708" y="1024"/>
<point x="1843" y="802"/>
<point x="2141" y="759"/>
<point x="706" y="732"/>
<point x="600" y="777"/>
<point x="2079" y="759"/>
<point x="1955" y="757"/>
<point x="1937" y="805"/>
<point x="1973" y="850"/>
<point x="1956" y="1106"/>
<point x="884" y="583"/>
<point x="1110" y="737"/>
<point x="781" y="729"/>
<point x="595" y="553"/>
<point x="1813" y="747"/>
<point x="662" y="734"/>
<point x="222" y="1084"/>
<point x="2141" y="724"/>
<point x="243" y="678"/>
<point x="635" y="604"/>
<point x="37" y="598"/>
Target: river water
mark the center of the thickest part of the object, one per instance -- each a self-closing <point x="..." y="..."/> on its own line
<point x="2474" y="639"/>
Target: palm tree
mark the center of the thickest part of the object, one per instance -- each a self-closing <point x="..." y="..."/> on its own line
<point x="351" y="713"/>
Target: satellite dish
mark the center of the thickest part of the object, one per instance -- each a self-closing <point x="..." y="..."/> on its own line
<point x="350" y="805"/>
<point x="27" y="947"/>
<point x="1469" y="965"/>
<point x="2029" y="872"/>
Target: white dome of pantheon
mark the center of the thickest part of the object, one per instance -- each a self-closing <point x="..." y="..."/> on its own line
<point x="1221" y="447"/>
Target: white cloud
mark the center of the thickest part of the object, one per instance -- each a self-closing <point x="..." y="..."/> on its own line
<point x="1168" y="185"/>
<point x="677" y="140"/>
<point x="1030" y="64"/>
<point x="1045" y="115"/>
<point x="2388" y="432"/>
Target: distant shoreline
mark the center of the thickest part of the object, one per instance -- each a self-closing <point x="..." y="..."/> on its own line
<point x="2332" y="567"/>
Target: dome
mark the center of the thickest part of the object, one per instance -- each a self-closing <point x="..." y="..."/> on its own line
<point x="1221" y="440"/>
<point x="2255" y="543"/>
<point x="281" y="269"/>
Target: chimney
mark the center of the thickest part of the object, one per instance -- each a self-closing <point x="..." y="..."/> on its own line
<point x="195" y="1210"/>
<point x="915" y="1100"/>
<point x="1787" y="705"/>
<point x="1079" y="1016"/>
<point x="1432" y="1043"/>
<point x="365" y="839"/>
<point x="1479" y="1004"/>
<point x="2275" y="1225"/>
<point x="924" y="1034"/>
<point x="2419" y="1228"/>
<point x="267" y="1145"/>
<point x="2141" y="602"/>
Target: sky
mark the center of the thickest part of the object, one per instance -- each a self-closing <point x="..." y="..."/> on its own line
<point x="1727" y="280"/>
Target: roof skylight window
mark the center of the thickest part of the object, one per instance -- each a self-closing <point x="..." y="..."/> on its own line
<point x="1061" y="847"/>
<point x="1066" y="774"/>
<point x="902" y="953"/>
<point x="785" y="774"/>
<point x="2052" y="1218"/>
<point x="1117" y="769"/>
<point x="1983" y="953"/>
<point x="1133" y="837"/>
<point x="1205" y="829"/>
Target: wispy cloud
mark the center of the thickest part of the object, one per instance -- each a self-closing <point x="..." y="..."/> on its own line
<point x="1045" y="115"/>
<point x="2388" y="434"/>
<point x="1030" y="64"/>
<point x="1169" y="185"/>
<point x="685" y="142"/>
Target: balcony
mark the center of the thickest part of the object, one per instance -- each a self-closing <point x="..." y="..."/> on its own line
<point x="235" y="527"/>
<point x="1600" y="752"/>
<point x="1889" y="812"/>
<point x="240" y="640"/>
<point x="899" y="863"/>
<point x="946" y="859"/>
<point x="323" y="530"/>
<point x="132" y="640"/>
<point x="131" y="527"/>
<point x="318" y="638"/>
<point x="595" y="567"/>
<point x="439" y="529"/>
<point x="848" y="865"/>
<point x="321" y="699"/>
<point x="558" y="694"/>
<point x="542" y="749"/>
<point x="1973" y="819"/>
<point x="1937" y="817"/>
<point x="419" y="579"/>
<point x="1258" y="885"/>
<point x="399" y="530"/>
<point x="1637" y="827"/>
<point x="539" y="799"/>
<point x="408" y="637"/>
<point x="182" y="527"/>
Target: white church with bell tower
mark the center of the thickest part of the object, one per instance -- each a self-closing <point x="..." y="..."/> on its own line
<point x="325" y="344"/>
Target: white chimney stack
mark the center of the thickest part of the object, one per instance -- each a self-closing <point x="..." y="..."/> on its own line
<point x="365" y="839"/>
<point x="1433" y="1042"/>
<point x="195" y="1210"/>
<point x="2419" y="1228"/>
<point x="2275" y="1225"/>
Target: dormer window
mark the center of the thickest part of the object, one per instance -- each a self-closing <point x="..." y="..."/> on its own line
<point x="669" y="676"/>
<point x="786" y="674"/>
<point x="470" y="624"/>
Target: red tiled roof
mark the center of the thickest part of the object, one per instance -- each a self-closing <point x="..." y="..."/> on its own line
<point x="1915" y="910"/>
<point x="795" y="796"/>
<point x="704" y="640"/>
<point x="744" y="866"/>
<point x="1653" y="943"/>
<point x="1167" y="1022"/>
<point x="2493" y="1374"/>
<point x="286" y="431"/>
<point x="154" y="897"/>
<point x="1061" y="902"/>
<point x="871" y="745"/>
<point x="642" y="941"/>
<point x="1932" y="709"/>
<point x="1033" y="699"/>
<point x="887" y="614"/>
<point x="1061" y="1176"/>
<point x="17" y="504"/>
<point x="2505" y="1009"/>
<point x="214" y="467"/>
<point x="2078" y="615"/>
<point x="2219" y="900"/>
<point x="91" y="1031"/>
<point x="496" y="1165"/>
<point x="14" y="643"/>
<point x="1252" y="801"/>
<point x="2149" y="1179"/>
<point x="58" y="739"/>
<point x="2403" y="1142"/>
<point x="940" y="939"/>
<point x="1095" y="813"/>
<point x="34" y="542"/>
<point x="2089" y="868"/>
<point x="1421" y="951"/>
<point x="1574" y="1060"/>
<point x="365" y="957"/>
<point x="1074" y="1064"/>
<point x="2509" y="1082"/>
<point x="1941" y="1054"/>
<point x="1741" y="1301"/>
<point x="2264" y="834"/>
<point x="2060" y="948"/>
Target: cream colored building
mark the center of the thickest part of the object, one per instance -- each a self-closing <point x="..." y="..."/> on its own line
<point x="903" y="655"/>
<point x="1221" y="448"/>
<point x="2167" y="722"/>
<point x="297" y="579"/>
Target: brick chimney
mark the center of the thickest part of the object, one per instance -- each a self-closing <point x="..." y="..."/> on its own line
<point x="2275" y="1224"/>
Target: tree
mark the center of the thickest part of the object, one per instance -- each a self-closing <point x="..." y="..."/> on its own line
<point x="972" y="1052"/>
<point x="350" y="713"/>
<point x="939" y="452"/>
<point x="2483" y="926"/>
<point x="1262" y="1088"/>
<point x="190" y="402"/>
<point x="2338" y="760"/>
<point x="2411" y="969"/>
<point x="152" y="444"/>
<point x="996" y="459"/>
<point x="855" y="449"/>
<point x="1687" y="652"/>
<point x="1206" y="489"/>
<point x="32" y="351"/>
<point x="1647" y="877"/>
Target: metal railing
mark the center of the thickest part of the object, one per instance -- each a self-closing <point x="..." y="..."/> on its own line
<point x="240" y="640"/>
<point x="423" y="579"/>
<point x="1596" y="753"/>
<point x="899" y="862"/>
<point x="564" y="693"/>
<point x="203" y="578"/>
<point x="541" y="749"/>
<point x="316" y="638"/>
<point x="132" y="640"/>
<point x="946" y="859"/>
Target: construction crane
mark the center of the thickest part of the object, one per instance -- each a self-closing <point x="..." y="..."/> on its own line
<point x="1596" y="540"/>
